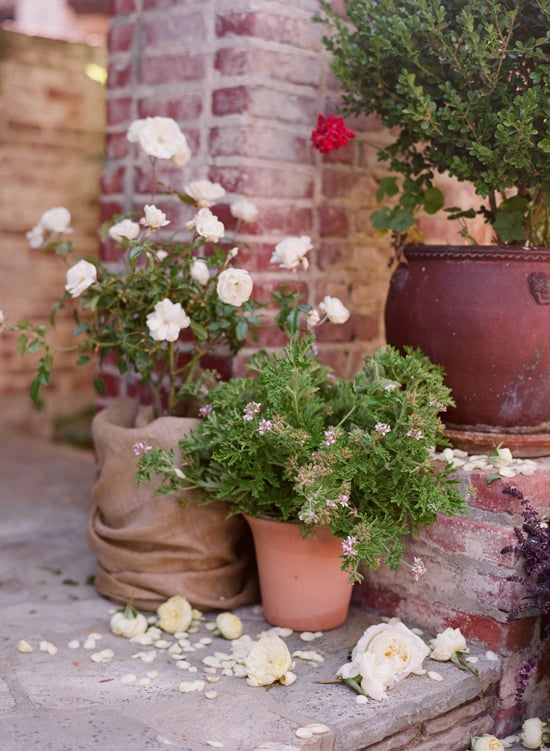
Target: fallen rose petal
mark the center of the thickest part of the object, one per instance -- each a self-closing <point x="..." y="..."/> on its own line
<point x="24" y="647"/>
<point x="317" y="728"/>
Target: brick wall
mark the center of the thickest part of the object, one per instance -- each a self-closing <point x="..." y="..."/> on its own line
<point x="51" y="153"/>
<point x="466" y="584"/>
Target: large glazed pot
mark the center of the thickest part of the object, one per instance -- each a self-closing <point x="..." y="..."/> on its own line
<point x="483" y="313"/>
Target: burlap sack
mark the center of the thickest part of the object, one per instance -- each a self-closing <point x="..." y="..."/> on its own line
<point x="148" y="547"/>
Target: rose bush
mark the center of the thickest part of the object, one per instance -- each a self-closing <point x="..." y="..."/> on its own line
<point x="175" y="296"/>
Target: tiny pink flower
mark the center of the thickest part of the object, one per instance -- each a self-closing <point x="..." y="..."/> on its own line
<point x="205" y="410"/>
<point x="140" y="447"/>
<point x="382" y="428"/>
<point x="348" y="545"/>
<point x="415" y="433"/>
<point x="265" y="426"/>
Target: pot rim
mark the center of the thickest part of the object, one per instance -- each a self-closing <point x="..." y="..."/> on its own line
<point x="477" y="252"/>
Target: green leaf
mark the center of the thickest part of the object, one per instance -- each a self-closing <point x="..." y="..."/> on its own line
<point x="241" y="330"/>
<point x="387" y="187"/>
<point x="433" y="200"/>
<point x="401" y="220"/>
<point x="509" y="226"/>
<point x="99" y="385"/>
<point x="200" y="331"/>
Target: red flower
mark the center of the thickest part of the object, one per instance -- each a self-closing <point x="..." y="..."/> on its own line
<point x="331" y="133"/>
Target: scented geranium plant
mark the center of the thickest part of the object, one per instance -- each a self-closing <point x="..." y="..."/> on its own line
<point x="175" y="295"/>
<point x="464" y="87"/>
<point x="293" y="442"/>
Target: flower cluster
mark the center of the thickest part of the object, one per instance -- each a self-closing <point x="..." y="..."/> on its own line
<point x="296" y="443"/>
<point x="172" y="300"/>
<point x="330" y="134"/>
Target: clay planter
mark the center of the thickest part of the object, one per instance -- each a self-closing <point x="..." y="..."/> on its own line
<point x="301" y="584"/>
<point x="482" y="313"/>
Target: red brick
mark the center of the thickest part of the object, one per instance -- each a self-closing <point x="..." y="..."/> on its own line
<point x="117" y="146"/>
<point x="333" y="221"/>
<point x="112" y="179"/>
<point x="478" y="540"/>
<point x="186" y="106"/>
<point x="265" y="25"/>
<point x="121" y="36"/>
<point x="490" y="497"/>
<point x="260" y="143"/>
<point x="119" y="111"/>
<point x="121" y="7"/>
<point x="230" y="101"/>
<point x="162" y="69"/>
<point x="120" y="74"/>
<point x="268" y="181"/>
<point x="231" y="61"/>
<point x="180" y="28"/>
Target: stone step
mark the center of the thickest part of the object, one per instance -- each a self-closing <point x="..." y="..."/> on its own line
<point x="65" y="701"/>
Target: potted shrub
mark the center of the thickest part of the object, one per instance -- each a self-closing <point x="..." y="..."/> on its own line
<point x="310" y="459"/>
<point x="466" y="88"/>
<point x="175" y="298"/>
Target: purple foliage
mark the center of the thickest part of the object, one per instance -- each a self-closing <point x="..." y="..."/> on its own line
<point x="533" y="545"/>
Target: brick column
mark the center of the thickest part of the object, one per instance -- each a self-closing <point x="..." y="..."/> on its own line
<point x="245" y="81"/>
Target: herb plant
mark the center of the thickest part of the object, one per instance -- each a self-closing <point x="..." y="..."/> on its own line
<point x="295" y="443"/>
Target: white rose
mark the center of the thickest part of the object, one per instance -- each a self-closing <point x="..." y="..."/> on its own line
<point x="531" y="733"/>
<point x="334" y="309"/>
<point x="167" y="320"/>
<point x="200" y="272"/>
<point x="79" y="277"/>
<point x="234" y="286"/>
<point x="204" y="193"/>
<point x="126" y="229"/>
<point x="386" y="653"/>
<point x="244" y="209"/>
<point x="160" y="137"/>
<point x="229" y="625"/>
<point x="128" y="624"/>
<point x="35" y="236"/>
<point x="487" y="743"/>
<point x="290" y="252"/>
<point x="56" y="220"/>
<point x="154" y="218"/>
<point x="175" y="614"/>
<point x="268" y="661"/>
<point x="446" y="644"/>
<point x="207" y="225"/>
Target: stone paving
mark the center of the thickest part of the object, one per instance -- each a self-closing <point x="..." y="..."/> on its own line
<point x="67" y="702"/>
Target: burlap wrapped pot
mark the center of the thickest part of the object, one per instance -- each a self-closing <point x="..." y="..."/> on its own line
<point x="149" y="547"/>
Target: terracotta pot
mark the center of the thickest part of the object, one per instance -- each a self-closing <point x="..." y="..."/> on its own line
<point x="482" y="313"/>
<point x="301" y="583"/>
